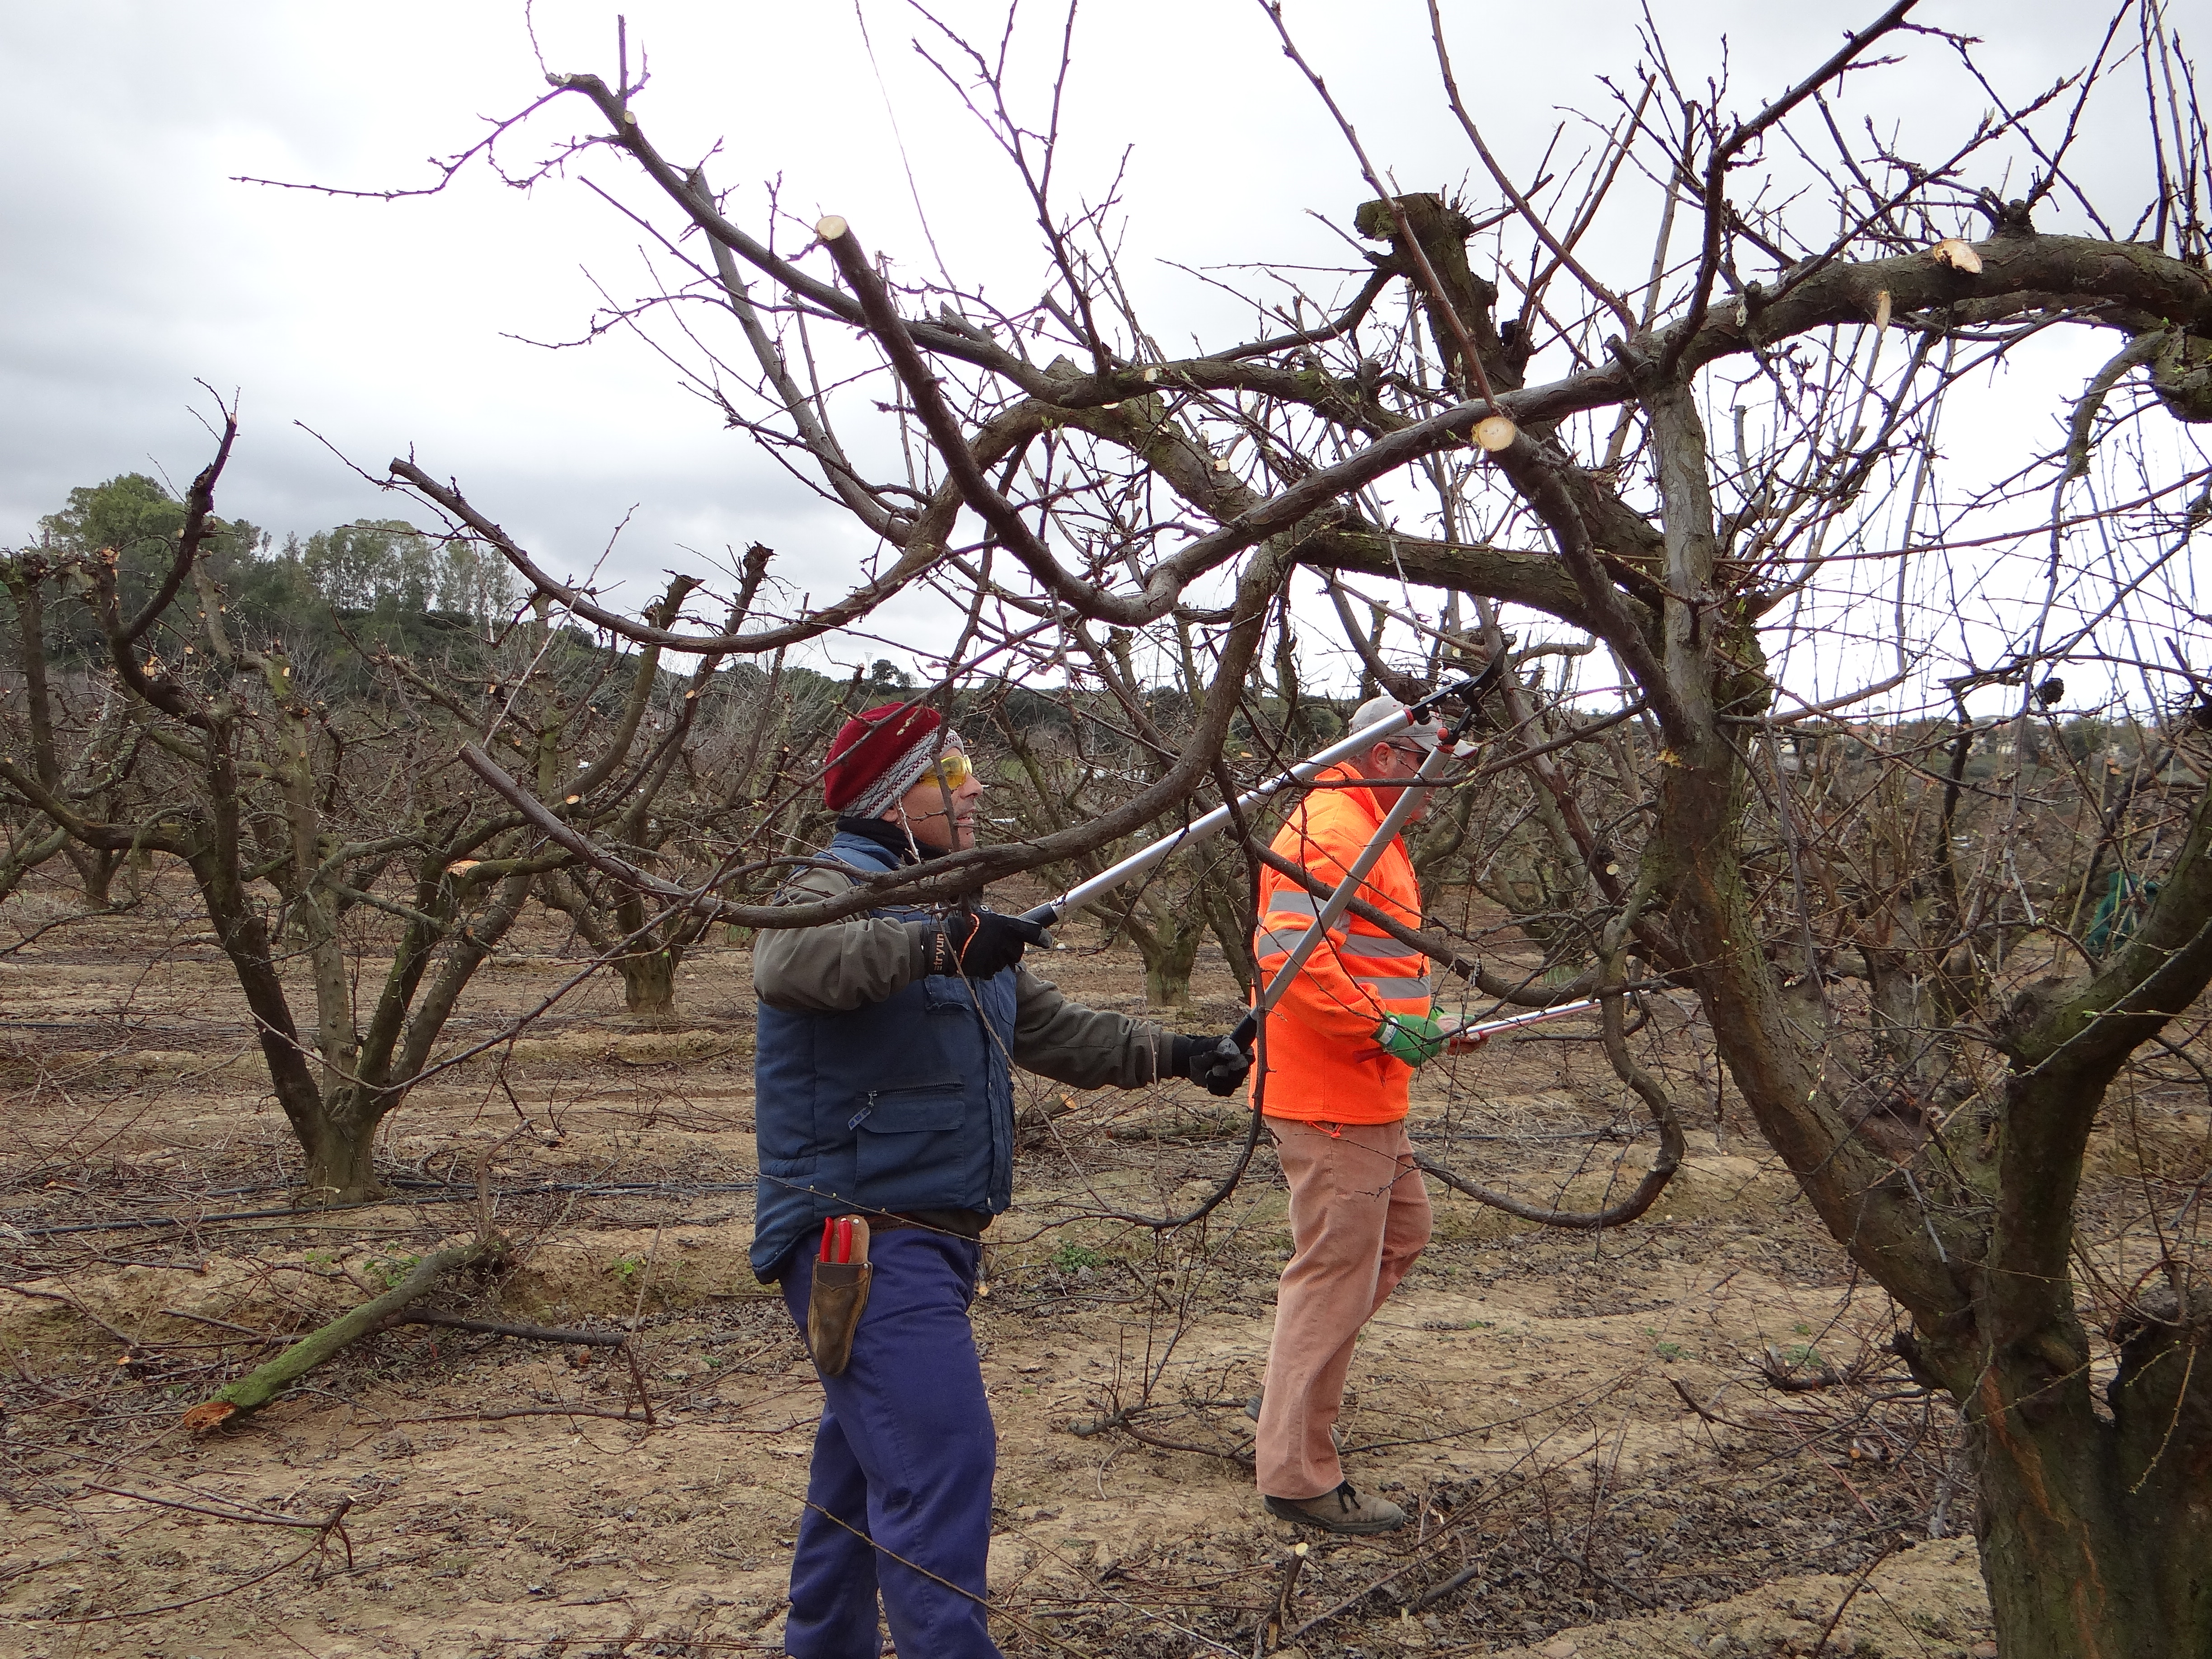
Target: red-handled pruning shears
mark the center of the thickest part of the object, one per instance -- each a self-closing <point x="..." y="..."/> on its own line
<point x="837" y="1239"/>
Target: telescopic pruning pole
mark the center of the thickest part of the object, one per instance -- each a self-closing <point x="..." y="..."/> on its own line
<point x="1198" y="829"/>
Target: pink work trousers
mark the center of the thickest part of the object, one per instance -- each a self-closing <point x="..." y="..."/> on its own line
<point x="1358" y="1217"/>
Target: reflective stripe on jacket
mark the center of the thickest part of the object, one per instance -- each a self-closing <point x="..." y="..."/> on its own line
<point x="1322" y="1059"/>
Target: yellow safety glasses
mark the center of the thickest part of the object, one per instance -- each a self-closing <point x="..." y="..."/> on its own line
<point x="953" y="769"/>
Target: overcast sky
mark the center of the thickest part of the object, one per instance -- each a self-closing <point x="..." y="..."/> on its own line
<point x="132" y="264"/>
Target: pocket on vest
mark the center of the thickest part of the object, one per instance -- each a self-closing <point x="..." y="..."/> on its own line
<point x="911" y="1153"/>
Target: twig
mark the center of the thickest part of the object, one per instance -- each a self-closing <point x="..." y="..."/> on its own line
<point x="1836" y="1617"/>
<point x="497" y="1413"/>
<point x="127" y="1340"/>
<point x="1435" y="1593"/>
<point x="497" y="1327"/>
<point x="1691" y="1400"/>
<point x="637" y="1378"/>
<point x="1850" y="1488"/>
<point x="1166" y="1444"/>
<point x="1268" y="1639"/>
<point x="483" y="1183"/>
<point x="1362" y="1594"/>
<point x="322" y="1537"/>
<point x="221" y="1325"/>
<point x="201" y="1509"/>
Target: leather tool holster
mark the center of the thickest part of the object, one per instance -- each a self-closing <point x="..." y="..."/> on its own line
<point x="835" y="1304"/>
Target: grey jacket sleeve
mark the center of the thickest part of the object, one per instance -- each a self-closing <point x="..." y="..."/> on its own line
<point x="1086" y="1048"/>
<point x="841" y="965"/>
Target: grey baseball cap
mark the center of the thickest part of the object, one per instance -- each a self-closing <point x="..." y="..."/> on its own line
<point x="1428" y="734"/>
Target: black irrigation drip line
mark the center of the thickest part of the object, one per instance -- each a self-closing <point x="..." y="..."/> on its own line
<point x="432" y="1192"/>
<point x="183" y="1198"/>
<point x="186" y="1221"/>
<point x="232" y="1026"/>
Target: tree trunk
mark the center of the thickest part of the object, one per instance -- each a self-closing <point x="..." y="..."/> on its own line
<point x="341" y="1148"/>
<point x="1225" y="916"/>
<point x="649" y="982"/>
<point x="337" y="1150"/>
<point x="95" y="873"/>
<point x="1168" y="960"/>
<point x="2096" y="1535"/>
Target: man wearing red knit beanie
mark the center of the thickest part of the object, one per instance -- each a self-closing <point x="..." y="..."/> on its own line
<point x="885" y="1098"/>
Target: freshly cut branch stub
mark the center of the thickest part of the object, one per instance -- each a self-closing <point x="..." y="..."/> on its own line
<point x="1881" y="309"/>
<point x="1959" y="255"/>
<point x="830" y="227"/>
<point x="1495" y="432"/>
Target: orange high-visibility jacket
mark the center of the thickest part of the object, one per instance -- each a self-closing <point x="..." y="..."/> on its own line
<point x="1322" y="1063"/>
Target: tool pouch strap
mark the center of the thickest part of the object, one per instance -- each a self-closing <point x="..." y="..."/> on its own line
<point x="833" y="1312"/>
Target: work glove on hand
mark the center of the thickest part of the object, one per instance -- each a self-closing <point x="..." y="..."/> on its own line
<point x="1414" y="1038"/>
<point x="1216" y="1064"/>
<point x="978" y="942"/>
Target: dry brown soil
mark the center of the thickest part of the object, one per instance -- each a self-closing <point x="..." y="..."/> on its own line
<point x="1580" y="1424"/>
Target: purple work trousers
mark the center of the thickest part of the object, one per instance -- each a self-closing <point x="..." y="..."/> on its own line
<point x="898" y="1501"/>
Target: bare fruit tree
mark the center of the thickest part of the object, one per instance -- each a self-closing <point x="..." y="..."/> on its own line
<point x="1723" y="467"/>
<point x="352" y="881"/>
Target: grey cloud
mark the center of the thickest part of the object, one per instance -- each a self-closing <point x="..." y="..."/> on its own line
<point x="133" y="264"/>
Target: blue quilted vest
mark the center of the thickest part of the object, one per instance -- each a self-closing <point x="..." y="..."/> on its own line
<point x="898" y="1105"/>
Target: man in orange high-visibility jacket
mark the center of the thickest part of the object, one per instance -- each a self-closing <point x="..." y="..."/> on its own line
<point x="1337" y="1051"/>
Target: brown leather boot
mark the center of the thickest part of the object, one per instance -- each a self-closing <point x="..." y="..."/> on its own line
<point x="1342" y="1511"/>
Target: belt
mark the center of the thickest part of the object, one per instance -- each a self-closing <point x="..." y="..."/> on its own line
<point x="961" y="1223"/>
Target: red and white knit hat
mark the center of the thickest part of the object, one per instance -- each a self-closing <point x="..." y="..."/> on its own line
<point x="880" y="754"/>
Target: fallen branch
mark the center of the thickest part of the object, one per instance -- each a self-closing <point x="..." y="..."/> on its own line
<point x="1706" y="1412"/>
<point x="1167" y="1445"/>
<point x="495" y="1327"/>
<point x="322" y="1528"/>
<point x="264" y="1382"/>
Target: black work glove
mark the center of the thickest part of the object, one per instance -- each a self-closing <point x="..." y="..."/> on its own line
<point x="981" y="943"/>
<point x="1216" y="1064"/>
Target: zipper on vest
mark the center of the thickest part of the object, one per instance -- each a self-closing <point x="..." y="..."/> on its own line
<point x="854" y="1121"/>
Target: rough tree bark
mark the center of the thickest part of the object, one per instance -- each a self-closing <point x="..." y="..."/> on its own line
<point x="2095" y="1513"/>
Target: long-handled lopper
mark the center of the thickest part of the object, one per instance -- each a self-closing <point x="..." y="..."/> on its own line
<point x="1464" y="1037"/>
<point x="1212" y="822"/>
